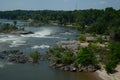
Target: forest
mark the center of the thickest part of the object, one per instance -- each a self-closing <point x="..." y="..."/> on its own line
<point x="92" y="20"/>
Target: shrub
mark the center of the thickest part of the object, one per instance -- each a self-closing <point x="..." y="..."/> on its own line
<point x="82" y="38"/>
<point x="35" y="56"/>
<point x="114" y="57"/>
<point x="109" y="67"/>
<point x="85" y="57"/>
<point x="67" y="58"/>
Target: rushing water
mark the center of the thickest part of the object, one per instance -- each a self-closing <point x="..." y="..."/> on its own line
<point x="41" y="40"/>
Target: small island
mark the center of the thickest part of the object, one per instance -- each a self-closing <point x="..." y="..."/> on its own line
<point x="13" y="29"/>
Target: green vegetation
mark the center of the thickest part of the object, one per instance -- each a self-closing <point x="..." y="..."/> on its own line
<point x="35" y="56"/>
<point x="108" y="55"/>
<point x="82" y="38"/>
<point x="85" y="57"/>
<point x="91" y="20"/>
<point x="114" y="57"/>
<point x="61" y="55"/>
<point x="67" y="58"/>
<point x="7" y="28"/>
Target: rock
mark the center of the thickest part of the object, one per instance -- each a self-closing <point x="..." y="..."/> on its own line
<point x="66" y="68"/>
<point x="59" y="65"/>
<point x="29" y="59"/>
<point x="14" y="56"/>
<point x="80" y="70"/>
<point x="72" y="68"/>
<point x="62" y="68"/>
<point x="79" y="66"/>
<point x="21" y="32"/>
<point x="52" y="64"/>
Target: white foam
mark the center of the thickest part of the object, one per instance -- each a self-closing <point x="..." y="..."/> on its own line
<point x="43" y="33"/>
<point x="9" y="38"/>
<point x="41" y="46"/>
<point x="14" y="40"/>
<point x="17" y="43"/>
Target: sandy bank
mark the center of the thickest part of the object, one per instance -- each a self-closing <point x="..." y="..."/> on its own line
<point x="115" y="76"/>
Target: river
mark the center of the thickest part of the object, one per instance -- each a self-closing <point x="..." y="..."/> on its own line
<point x="43" y="38"/>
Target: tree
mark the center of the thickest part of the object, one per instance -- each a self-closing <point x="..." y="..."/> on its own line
<point x="85" y="57"/>
<point x="114" y="57"/>
<point x="67" y="58"/>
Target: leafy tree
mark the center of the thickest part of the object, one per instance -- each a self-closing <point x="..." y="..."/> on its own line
<point x="114" y="57"/>
<point x="67" y="58"/>
<point x="85" y="57"/>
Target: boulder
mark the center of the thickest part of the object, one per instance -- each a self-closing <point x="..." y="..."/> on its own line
<point x="59" y="65"/>
<point x="72" y="68"/>
<point x="66" y="68"/>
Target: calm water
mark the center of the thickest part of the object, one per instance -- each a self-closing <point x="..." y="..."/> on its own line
<point x="41" y="40"/>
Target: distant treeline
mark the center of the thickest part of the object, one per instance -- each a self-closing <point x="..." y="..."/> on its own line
<point x="91" y="20"/>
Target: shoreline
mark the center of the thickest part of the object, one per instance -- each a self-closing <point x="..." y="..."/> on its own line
<point x="104" y="76"/>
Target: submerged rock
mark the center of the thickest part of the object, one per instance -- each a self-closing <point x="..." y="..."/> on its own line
<point x="21" y="32"/>
<point x="14" y="56"/>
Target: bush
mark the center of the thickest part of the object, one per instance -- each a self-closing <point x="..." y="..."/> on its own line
<point x="67" y="58"/>
<point x="7" y="27"/>
<point x="75" y="64"/>
<point x="35" y="56"/>
<point x="85" y="57"/>
<point x="109" y="67"/>
<point x="114" y="57"/>
<point x="82" y="38"/>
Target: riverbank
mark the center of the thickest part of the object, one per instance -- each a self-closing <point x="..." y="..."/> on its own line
<point x="72" y="56"/>
<point x="103" y="74"/>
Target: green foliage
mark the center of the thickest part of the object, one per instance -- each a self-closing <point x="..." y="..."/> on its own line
<point x="75" y="64"/>
<point x="82" y="38"/>
<point x="114" y="57"/>
<point x="100" y="40"/>
<point x="110" y="66"/>
<point x="91" y="20"/>
<point x="85" y="57"/>
<point x="57" y="53"/>
<point x="35" y="56"/>
<point x="7" y="28"/>
<point x="67" y="58"/>
<point x="115" y="51"/>
<point x="61" y="55"/>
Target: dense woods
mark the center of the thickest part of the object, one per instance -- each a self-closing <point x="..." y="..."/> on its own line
<point x="91" y="20"/>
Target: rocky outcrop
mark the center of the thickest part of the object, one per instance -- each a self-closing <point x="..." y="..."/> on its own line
<point x="21" y="32"/>
<point x="71" y="68"/>
<point x="14" y="56"/>
<point x="19" y="57"/>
